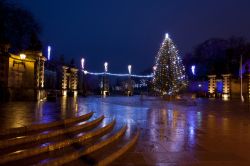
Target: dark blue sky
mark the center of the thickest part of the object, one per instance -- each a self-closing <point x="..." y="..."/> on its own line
<point x="126" y="32"/>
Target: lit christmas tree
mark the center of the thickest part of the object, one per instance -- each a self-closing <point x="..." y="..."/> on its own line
<point x="169" y="72"/>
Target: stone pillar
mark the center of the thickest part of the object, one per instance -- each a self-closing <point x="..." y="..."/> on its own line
<point x="41" y="76"/>
<point x="105" y="85"/>
<point x="39" y="71"/>
<point x="248" y="86"/>
<point x="41" y="93"/>
<point x="39" y="68"/>
<point x="64" y="80"/>
<point x="73" y="80"/>
<point x="130" y="87"/>
<point x="226" y="86"/>
<point x="212" y="85"/>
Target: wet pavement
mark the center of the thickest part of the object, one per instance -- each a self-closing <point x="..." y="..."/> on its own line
<point x="199" y="132"/>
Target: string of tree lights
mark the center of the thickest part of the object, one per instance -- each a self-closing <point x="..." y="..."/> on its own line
<point x="169" y="72"/>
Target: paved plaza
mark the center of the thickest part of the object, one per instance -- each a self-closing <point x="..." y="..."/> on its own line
<point x="193" y="132"/>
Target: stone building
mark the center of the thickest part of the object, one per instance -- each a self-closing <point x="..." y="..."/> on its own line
<point x="22" y="76"/>
<point x="231" y="86"/>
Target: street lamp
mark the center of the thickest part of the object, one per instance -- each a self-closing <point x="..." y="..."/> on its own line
<point x="129" y="69"/>
<point x="106" y="67"/>
<point x="22" y="56"/>
<point x="49" y="50"/>
<point x="82" y="63"/>
<point x="193" y="69"/>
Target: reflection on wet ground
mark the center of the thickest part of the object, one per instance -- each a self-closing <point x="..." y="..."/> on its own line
<point x="203" y="132"/>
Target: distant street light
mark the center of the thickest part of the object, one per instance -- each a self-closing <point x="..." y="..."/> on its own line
<point x="193" y="69"/>
<point x="82" y="63"/>
<point x="106" y="67"/>
<point x="129" y="69"/>
<point x="49" y="50"/>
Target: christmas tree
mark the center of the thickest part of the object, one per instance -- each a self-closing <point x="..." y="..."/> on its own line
<point x="169" y="72"/>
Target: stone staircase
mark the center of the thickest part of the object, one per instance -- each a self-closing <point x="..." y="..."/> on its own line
<point x="80" y="140"/>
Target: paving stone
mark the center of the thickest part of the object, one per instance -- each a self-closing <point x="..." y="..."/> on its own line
<point x="213" y="132"/>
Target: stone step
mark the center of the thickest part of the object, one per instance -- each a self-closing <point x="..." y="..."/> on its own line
<point x="118" y="153"/>
<point x="67" y="151"/>
<point x="38" y="127"/>
<point x="53" y="140"/>
<point x="37" y="137"/>
<point x="35" y="151"/>
<point x="45" y="131"/>
<point x="87" y="146"/>
<point x="86" y="150"/>
<point x="107" y="154"/>
<point x="67" y="142"/>
<point x="31" y="145"/>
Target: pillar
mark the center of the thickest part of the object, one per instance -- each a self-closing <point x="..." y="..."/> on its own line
<point x="41" y="80"/>
<point x="130" y="87"/>
<point x="105" y="85"/>
<point x="73" y="80"/>
<point x="212" y="85"/>
<point x="248" y="86"/>
<point x="39" y="71"/>
<point x="226" y="86"/>
<point x="64" y="80"/>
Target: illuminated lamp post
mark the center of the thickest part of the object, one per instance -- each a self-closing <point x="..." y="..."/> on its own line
<point x="129" y="80"/>
<point x="49" y="50"/>
<point x="22" y="56"/>
<point x="82" y="75"/>
<point x="106" y="67"/>
<point x="82" y="63"/>
<point x="193" y="69"/>
<point x="104" y="81"/>
<point x="129" y="69"/>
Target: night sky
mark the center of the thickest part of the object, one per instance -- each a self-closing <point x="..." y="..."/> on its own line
<point x="126" y="32"/>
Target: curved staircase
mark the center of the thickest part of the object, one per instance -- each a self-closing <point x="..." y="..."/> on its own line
<point x="82" y="140"/>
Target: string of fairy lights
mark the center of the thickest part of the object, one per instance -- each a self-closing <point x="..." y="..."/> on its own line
<point x="118" y="75"/>
<point x="106" y="73"/>
<point x="129" y="74"/>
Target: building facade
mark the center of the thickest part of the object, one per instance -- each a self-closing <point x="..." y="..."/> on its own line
<point x="232" y="88"/>
<point x="22" y="76"/>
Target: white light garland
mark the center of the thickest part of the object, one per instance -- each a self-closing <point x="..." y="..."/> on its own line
<point x="119" y="75"/>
